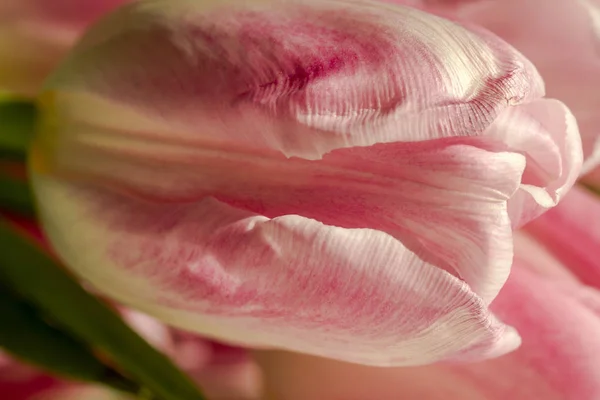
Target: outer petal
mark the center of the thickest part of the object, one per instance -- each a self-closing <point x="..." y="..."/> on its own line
<point x="560" y="326"/>
<point x="446" y="200"/>
<point x="546" y="133"/>
<point x="301" y="77"/>
<point x="258" y="89"/>
<point x="538" y="28"/>
<point x="571" y="232"/>
<point x="35" y="35"/>
<point x="287" y="282"/>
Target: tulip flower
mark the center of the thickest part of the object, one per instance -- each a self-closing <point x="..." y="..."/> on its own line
<point x="571" y="232"/>
<point x="338" y="178"/>
<point x="557" y="317"/>
<point x="560" y="37"/>
<point x="36" y="34"/>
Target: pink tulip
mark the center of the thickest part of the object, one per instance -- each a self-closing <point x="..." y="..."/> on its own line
<point x="339" y="178"/>
<point x="35" y="35"/>
<point x="571" y="232"/>
<point x="560" y="37"/>
<point x="557" y="317"/>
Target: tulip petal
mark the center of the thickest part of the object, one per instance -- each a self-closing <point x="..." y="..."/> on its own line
<point x="444" y="199"/>
<point x="299" y="77"/>
<point x="560" y="326"/>
<point x="546" y="133"/>
<point x="572" y="234"/>
<point x="538" y="28"/>
<point x="287" y="282"/>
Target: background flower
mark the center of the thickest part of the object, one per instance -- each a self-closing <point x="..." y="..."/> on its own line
<point x="36" y="34"/>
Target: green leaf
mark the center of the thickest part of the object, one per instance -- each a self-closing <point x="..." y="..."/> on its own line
<point x="25" y="335"/>
<point x="15" y="195"/>
<point x="36" y="277"/>
<point x="17" y="124"/>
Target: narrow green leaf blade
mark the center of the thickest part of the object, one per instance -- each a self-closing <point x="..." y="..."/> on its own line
<point x="35" y="276"/>
<point x="25" y="335"/>
<point x="17" y="123"/>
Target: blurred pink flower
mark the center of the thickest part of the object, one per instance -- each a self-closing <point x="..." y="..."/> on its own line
<point x="339" y="178"/>
<point x="36" y="34"/>
<point x="571" y="232"/>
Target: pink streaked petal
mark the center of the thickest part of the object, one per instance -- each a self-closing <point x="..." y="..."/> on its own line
<point x="571" y="233"/>
<point x="299" y="77"/>
<point x="538" y="28"/>
<point x="446" y="199"/>
<point x="560" y="326"/>
<point x="394" y="187"/>
<point x="288" y="282"/>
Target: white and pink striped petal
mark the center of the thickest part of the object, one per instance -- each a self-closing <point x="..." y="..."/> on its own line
<point x="560" y="37"/>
